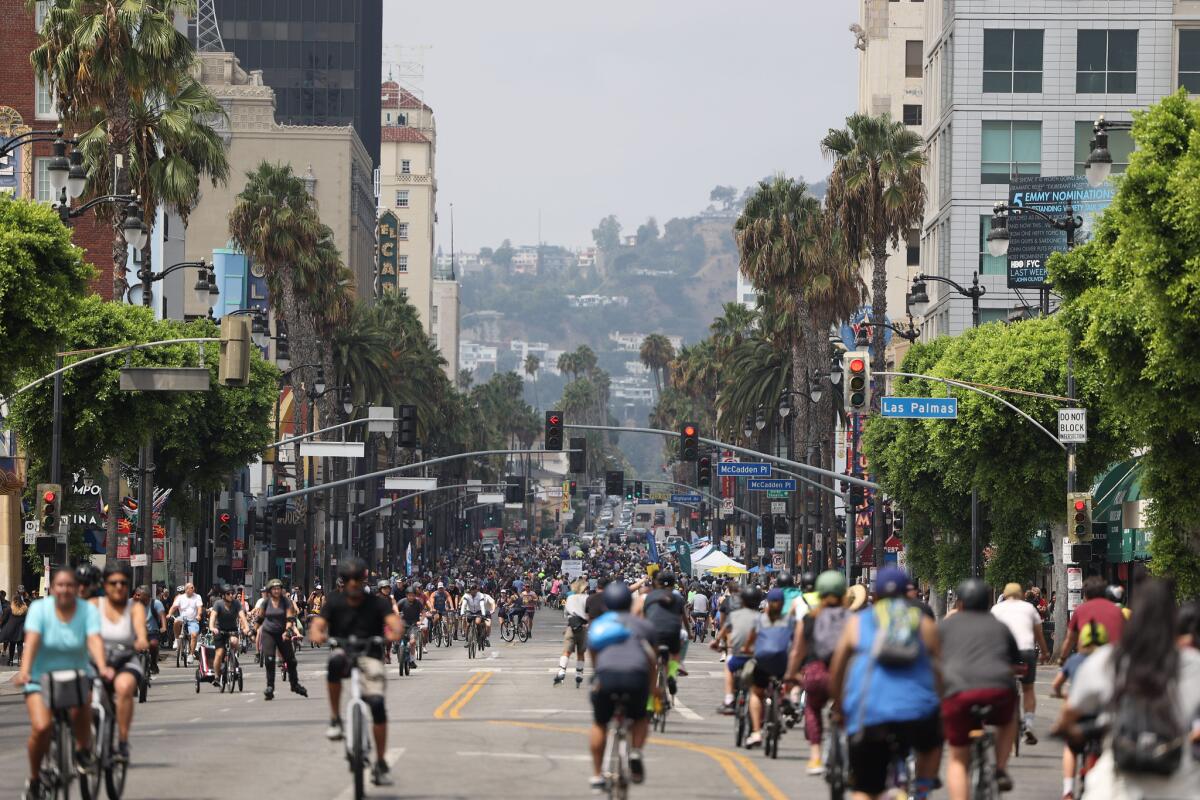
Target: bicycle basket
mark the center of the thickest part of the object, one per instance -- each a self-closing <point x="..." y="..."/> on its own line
<point x="69" y="688"/>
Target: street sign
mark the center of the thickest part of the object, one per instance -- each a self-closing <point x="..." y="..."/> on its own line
<point x="380" y="419"/>
<point x="920" y="407"/>
<point x="726" y="506"/>
<point x="332" y="449"/>
<point x="31" y="531"/>
<point x="685" y="498"/>
<point x="778" y="507"/>
<point x="1072" y="425"/>
<point x="783" y="542"/>
<point x="748" y="469"/>
<point x="487" y="499"/>
<point x="776" y="495"/>
<point x="138" y="560"/>
<point x="766" y="484"/>
<point x="409" y="484"/>
<point x="777" y="560"/>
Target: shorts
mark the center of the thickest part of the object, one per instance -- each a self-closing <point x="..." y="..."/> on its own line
<point x="735" y="663"/>
<point x="1029" y="659"/>
<point x="575" y="639"/>
<point x="373" y="680"/>
<point x="127" y="661"/>
<point x="1072" y="664"/>
<point x="190" y="626"/>
<point x="870" y="754"/>
<point x="765" y="670"/>
<point x="672" y="640"/>
<point x="611" y="688"/>
<point x="958" y="721"/>
<point x="221" y="638"/>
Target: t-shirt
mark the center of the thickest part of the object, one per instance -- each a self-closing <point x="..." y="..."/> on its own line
<point x="152" y="611"/>
<point x="595" y="605"/>
<point x="275" y="616"/>
<point x="227" y="615"/>
<point x="63" y="644"/>
<point x="627" y="657"/>
<point x="1020" y="618"/>
<point x="741" y="622"/>
<point x="189" y="607"/>
<point x="576" y="606"/>
<point x="410" y="611"/>
<point x="362" y="621"/>
<point x="1107" y="615"/>
<point x="664" y="609"/>
<point x="772" y="640"/>
<point x="978" y="652"/>
<point x="1092" y="692"/>
<point x="700" y="603"/>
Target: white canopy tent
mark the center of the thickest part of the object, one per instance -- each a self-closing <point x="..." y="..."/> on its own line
<point x="712" y="559"/>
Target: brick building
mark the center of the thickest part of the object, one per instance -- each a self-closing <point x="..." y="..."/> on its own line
<point x="24" y="103"/>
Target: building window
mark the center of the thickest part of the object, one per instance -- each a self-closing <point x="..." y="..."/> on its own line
<point x="405" y="167"/>
<point x="1012" y="61"/>
<point x="914" y="54"/>
<point x="912" y="114"/>
<point x="402" y="120"/>
<point x="42" y="191"/>
<point x="1010" y="148"/>
<point x="402" y="263"/>
<point x="1106" y="62"/>
<point x="989" y="264"/>
<point x="987" y="315"/>
<point x="913" y="248"/>
<point x="433" y="315"/>
<point x="44" y="106"/>
<point x="402" y="198"/>
<point x="1120" y="145"/>
<point x="39" y="14"/>
<point x="1189" y="60"/>
<point x="402" y="230"/>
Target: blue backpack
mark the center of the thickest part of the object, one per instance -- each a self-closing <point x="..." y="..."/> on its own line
<point x="607" y="629"/>
<point x="772" y="642"/>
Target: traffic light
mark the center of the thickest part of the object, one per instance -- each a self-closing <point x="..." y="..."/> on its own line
<point x="407" y="420"/>
<point x="614" y="482"/>
<point x="638" y="490"/>
<point x="223" y="521"/>
<point x="1079" y="516"/>
<point x="514" y="491"/>
<point x="233" y="367"/>
<point x="689" y="442"/>
<point x="49" y="507"/>
<point x="781" y="525"/>
<point x="554" y="430"/>
<point x="704" y="471"/>
<point x="578" y="461"/>
<point x="629" y="491"/>
<point x="574" y="487"/>
<point x="856" y="379"/>
<point x="858" y="497"/>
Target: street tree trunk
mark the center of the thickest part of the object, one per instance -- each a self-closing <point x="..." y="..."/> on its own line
<point x="879" y="256"/>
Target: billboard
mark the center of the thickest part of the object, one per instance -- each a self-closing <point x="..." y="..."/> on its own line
<point x="386" y="252"/>
<point x="1032" y="239"/>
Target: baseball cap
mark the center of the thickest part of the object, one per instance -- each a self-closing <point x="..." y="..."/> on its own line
<point x="775" y="595"/>
<point x="891" y="582"/>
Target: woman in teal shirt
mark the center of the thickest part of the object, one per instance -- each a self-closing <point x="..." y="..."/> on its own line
<point x="61" y="633"/>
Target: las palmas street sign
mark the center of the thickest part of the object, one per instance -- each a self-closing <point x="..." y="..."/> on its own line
<point x="920" y="407"/>
<point x="743" y="469"/>
<point x="771" y="484"/>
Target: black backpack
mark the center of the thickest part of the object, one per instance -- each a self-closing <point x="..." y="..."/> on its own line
<point x="1147" y="736"/>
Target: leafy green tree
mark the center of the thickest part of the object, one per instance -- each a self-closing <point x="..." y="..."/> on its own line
<point x="647" y="233"/>
<point x="607" y="235"/>
<point x="725" y="195"/>
<point x="502" y="256"/>
<point x="1130" y="305"/>
<point x="42" y="279"/>
<point x="656" y="353"/>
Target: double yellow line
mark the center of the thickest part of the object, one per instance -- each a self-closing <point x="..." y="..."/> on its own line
<point x="457" y="701"/>
<point x="742" y="772"/>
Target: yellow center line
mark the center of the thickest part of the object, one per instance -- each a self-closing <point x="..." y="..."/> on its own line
<point x="440" y="712"/>
<point x="474" y="690"/>
<point x="728" y="761"/>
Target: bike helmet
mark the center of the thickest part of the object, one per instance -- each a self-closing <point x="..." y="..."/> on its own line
<point x="808" y="580"/>
<point x="891" y="582"/>
<point x="617" y="596"/>
<point x="383" y="584"/>
<point x="87" y="574"/>
<point x="665" y="579"/>
<point x="352" y="568"/>
<point x="274" y="583"/>
<point x="831" y="582"/>
<point x="785" y="580"/>
<point x="751" y="597"/>
<point x="974" y="594"/>
<point x="226" y="589"/>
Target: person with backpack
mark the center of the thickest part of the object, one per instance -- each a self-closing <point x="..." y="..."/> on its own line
<point x="885" y="686"/>
<point x="734" y="639"/>
<point x="1149" y="690"/>
<point x="980" y="655"/>
<point x="813" y="644"/>
<point x="771" y="641"/>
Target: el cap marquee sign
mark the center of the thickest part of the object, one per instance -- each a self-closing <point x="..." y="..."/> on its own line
<point x="385" y="277"/>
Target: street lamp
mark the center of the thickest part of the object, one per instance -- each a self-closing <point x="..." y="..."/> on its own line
<point x="748" y="428"/>
<point x="1098" y="166"/>
<point x="203" y="287"/>
<point x="760" y="419"/>
<point x="347" y="395"/>
<point x="132" y="227"/>
<point x="918" y="298"/>
<point x="999" y="237"/>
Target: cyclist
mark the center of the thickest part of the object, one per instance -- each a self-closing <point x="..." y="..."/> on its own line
<point x="574" y="637"/>
<point x="808" y="588"/>
<point x="1025" y="624"/>
<point x="123" y="629"/>
<point x="352" y="612"/>
<point x="226" y="617"/>
<point x="665" y="610"/>
<point x="771" y="640"/>
<point x="155" y="622"/>
<point x="979" y="657"/>
<point x="274" y="619"/>
<point x="90" y="579"/>
<point x="887" y="693"/>
<point x="61" y="633"/>
<point x="410" y="610"/>
<point x="734" y="638"/>
<point x="440" y="601"/>
<point x="1096" y="608"/>
<point x="813" y="644"/>
<point x="701" y="606"/>
<point x="473" y="609"/>
<point x="529" y="600"/>
<point x="187" y="608"/>
<point x="623" y="668"/>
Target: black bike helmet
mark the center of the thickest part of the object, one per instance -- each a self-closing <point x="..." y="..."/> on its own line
<point x="665" y="579"/>
<point x="88" y="574"/>
<point x="352" y="568"/>
<point x="974" y="594"/>
<point x="785" y="580"/>
<point x="617" y="596"/>
<point x="808" y="580"/>
<point x="751" y="597"/>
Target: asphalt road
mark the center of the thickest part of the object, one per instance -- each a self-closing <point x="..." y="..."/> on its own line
<point x="459" y="728"/>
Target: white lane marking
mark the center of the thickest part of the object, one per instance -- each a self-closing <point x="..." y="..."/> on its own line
<point x="685" y="712"/>
<point x="393" y="755"/>
<point x="538" y="756"/>
<point x="223" y="710"/>
<point x="155" y="732"/>
<point x="194" y="719"/>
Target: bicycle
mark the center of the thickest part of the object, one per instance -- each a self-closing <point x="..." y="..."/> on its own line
<point x="231" y="671"/>
<point x="741" y="712"/>
<point x="402" y="655"/>
<point x="144" y="684"/>
<point x="772" y="717"/>
<point x="474" y="642"/>
<point x="66" y="691"/>
<point x="662" y="695"/>
<point x="981" y="768"/>
<point x="617" y="773"/>
<point x="441" y="632"/>
<point x="700" y="628"/>
<point x="836" y="761"/>
<point x="358" y="737"/>
<point x="183" y="644"/>
<point x="104" y="739"/>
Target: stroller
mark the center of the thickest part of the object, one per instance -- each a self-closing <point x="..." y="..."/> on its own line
<point x="206" y="653"/>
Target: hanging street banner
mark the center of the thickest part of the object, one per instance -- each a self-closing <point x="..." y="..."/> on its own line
<point x="771" y="484"/>
<point x="1032" y="240"/>
<point x="385" y="252"/>
<point x="743" y="469"/>
<point x="919" y="407"/>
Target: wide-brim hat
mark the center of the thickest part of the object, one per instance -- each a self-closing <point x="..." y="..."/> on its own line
<point x="856" y="597"/>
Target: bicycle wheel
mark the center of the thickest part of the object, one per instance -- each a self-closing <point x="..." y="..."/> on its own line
<point x="983" y="770"/>
<point x="115" y="770"/>
<point x="741" y="722"/>
<point x="357" y="755"/>
<point x="89" y="781"/>
<point x="506" y="631"/>
<point x="144" y="684"/>
<point x="65" y="763"/>
<point x="523" y="631"/>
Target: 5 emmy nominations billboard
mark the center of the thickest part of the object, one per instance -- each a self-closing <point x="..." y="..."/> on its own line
<point x="1033" y="239"/>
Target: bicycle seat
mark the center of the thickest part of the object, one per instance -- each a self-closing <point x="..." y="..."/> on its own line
<point x="663" y="650"/>
<point x="981" y="712"/>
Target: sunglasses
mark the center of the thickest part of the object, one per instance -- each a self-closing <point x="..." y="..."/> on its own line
<point x="117" y="583"/>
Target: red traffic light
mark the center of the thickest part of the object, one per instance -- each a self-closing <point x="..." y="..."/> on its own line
<point x="1080" y="505"/>
<point x="554" y="419"/>
<point x="224" y="518"/>
<point x="857" y="365"/>
<point x="689" y="430"/>
<point x="49" y="497"/>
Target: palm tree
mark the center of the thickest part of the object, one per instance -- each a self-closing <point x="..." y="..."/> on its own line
<point x="876" y="195"/>
<point x="656" y="353"/>
<point x="532" y="365"/>
<point x="568" y="364"/>
<point x="119" y="71"/>
<point x="362" y="356"/>
<point x="734" y="325"/>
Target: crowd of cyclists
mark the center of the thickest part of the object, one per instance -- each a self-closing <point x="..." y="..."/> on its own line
<point x="886" y="694"/>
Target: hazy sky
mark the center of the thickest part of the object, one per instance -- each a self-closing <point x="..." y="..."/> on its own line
<point x="629" y="107"/>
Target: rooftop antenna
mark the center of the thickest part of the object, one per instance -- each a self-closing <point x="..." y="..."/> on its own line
<point x="453" y="272"/>
<point x="208" y="33"/>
